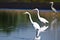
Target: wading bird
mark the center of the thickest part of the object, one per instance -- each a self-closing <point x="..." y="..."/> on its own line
<point x="54" y="22"/>
<point x="53" y="9"/>
<point x="37" y="27"/>
<point x="41" y="18"/>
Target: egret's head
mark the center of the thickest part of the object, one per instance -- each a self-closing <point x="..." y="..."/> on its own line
<point x="35" y="9"/>
<point x="26" y="13"/>
<point x="51" y="2"/>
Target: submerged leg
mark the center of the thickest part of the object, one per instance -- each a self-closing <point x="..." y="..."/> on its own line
<point x="37" y="37"/>
<point x="37" y="33"/>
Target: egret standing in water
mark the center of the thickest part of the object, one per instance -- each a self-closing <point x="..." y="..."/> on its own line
<point x="54" y="22"/>
<point x="41" y="18"/>
<point x="53" y="9"/>
<point x="37" y="27"/>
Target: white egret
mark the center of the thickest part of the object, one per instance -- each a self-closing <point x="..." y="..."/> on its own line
<point x="37" y="27"/>
<point x="41" y="18"/>
<point x="54" y="22"/>
<point x="35" y="24"/>
<point x="53" y="9"/>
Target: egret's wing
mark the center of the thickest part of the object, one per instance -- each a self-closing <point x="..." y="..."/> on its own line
<point x="43" y="20"/>
<point x="54" y="9"/>
<point x="42" y="29"/>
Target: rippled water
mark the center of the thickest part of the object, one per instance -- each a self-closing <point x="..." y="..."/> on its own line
<point x="19" y="27"/>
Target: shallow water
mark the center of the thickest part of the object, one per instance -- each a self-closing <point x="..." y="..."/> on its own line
<point x="20" y="28"/>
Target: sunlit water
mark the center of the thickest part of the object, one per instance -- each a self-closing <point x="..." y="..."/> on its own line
<point x="25" y="31"/>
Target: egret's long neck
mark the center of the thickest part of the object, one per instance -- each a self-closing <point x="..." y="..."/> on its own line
<point x="51" y="5"/>
<point x="30" y="18"/>
<point x="38" y="14"/>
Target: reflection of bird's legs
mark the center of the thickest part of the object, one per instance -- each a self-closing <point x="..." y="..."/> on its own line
<point x="53" y="23"/>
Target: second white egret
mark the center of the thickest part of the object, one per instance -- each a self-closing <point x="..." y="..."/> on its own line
<point x="41" y="18"/>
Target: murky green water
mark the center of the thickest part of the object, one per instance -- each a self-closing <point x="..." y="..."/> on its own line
<point x="17" y="26"/>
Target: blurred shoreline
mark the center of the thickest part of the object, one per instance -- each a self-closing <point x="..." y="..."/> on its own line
<point x="48" y="14"/>
<point x="5" y="9"/>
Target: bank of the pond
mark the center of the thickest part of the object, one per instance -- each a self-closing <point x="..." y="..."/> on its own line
<point x="48" y="14"/>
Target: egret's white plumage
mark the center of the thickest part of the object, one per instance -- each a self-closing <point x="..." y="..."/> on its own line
<point x="53" y="9"/>
<point x="42" y="29"/>
<point x="36" y="26"/>
<point x="41" y="18"/>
